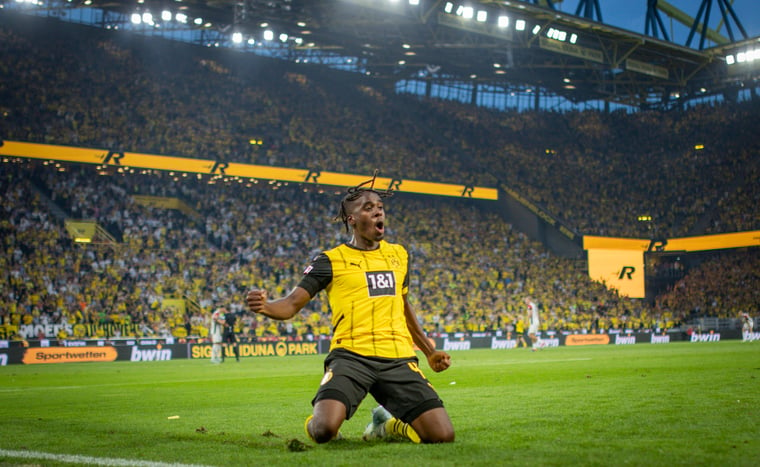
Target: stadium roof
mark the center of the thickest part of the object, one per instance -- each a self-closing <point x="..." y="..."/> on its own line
<point x="503" y="45"/>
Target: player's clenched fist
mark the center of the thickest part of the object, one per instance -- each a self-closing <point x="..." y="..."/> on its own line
<point x="439" y="361"/>
<point x="256" y="300"/>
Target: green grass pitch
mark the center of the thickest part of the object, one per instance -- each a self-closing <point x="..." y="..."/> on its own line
<point x="675" y="404"/>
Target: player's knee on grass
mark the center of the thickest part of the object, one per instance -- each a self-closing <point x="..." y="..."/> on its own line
<point x="322" y="432"/>
<point x="445" y="435"/>
<point x="434" y="426"/>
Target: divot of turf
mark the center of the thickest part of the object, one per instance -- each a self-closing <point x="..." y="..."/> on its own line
<point x="294" y="445"/>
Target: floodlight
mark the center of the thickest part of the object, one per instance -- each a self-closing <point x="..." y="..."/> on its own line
<point x="237" y="37"/>
<point x="166" y="15"/>
<point x="283" y="37"/>
<point x="268" y="35"/>
<point x="482" y="16"/>
<point x="147" y="18"/>
<point x="520" y="25"/>
<point x="536" y="29"/>
<point x="181" y="18"/>
<point x="136" y="18"/>
<point x="573" y="38"/>
<point x="414" y="2"/>
<point x="730" y="60"/>
<point x="503" y="21"/>
<point x="449" y="7"/>
<point x="468" y="12"/>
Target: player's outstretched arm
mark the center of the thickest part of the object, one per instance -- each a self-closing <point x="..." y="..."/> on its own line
<point x="280" y="309"/>
<point x="438" y="360"/>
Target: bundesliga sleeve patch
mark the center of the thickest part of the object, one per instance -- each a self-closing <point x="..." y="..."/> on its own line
<point x="380" y="283"/>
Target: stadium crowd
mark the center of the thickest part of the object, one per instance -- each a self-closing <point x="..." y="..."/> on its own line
<point x="472" y="270"/>
<point x="692" y="171"/>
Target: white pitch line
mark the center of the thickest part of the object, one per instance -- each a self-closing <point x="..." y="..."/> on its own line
<point x="77" y="459"/>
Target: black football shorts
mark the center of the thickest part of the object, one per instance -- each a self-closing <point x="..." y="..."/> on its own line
<point x="396" y="383"/>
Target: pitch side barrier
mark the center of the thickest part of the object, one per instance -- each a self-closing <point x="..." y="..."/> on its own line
<point x="143" y="350"/>
<point x="154" y="350"/>
<point x="554" y="339"/>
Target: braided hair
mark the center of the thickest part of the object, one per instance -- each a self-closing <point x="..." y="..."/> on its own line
<point x="354" y="193"/>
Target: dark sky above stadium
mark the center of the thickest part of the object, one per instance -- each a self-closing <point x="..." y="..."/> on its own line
<point x="631" y="15"/>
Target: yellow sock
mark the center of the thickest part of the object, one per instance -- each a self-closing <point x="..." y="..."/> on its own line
<point x="308" y="433"/>
<point x="306" y="426"/>
<point x="394" y="426"/>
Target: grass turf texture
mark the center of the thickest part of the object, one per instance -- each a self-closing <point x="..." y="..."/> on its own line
<point x="674" y="404"/>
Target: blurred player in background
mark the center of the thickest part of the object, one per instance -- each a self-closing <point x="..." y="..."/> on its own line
<point x="534" y="321"/>
<point x="229" y="338"/>
<point x="374" y="332"/>
<point x="217" y="329"/>
<point x="748" y="325"/>
<point x="520" y="332"/>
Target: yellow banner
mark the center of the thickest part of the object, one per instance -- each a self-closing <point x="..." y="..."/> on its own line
<point x="714" y="242"/>
<point x="622" y="270"/>
<point x="176" y="304"/>
<point x="700" y="243"/>
<point x="160" y="202"/>
<point x="614" y="243"/>
<point x="81" y="231"/>
<point x="211" y="167"/>
<point x="68" y="354"/>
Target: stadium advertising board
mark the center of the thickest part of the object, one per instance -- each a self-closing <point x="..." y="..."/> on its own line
<point x="566" y="48"/>
<point x="622" y="270"/>
<point x="263" y="349"/>
<point x="557" y="339"/>
<point x="587" y="339"/>
<point x="144" y="351"/>
<point x="234" y="169"/>
<point x="619" y="262"/>
<point x="35" y="355"/>
<point x="714" y="242"/>
<point x="152" y="353"/>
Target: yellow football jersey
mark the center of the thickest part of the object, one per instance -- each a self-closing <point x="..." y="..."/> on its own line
<point x="365" y="290"/>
